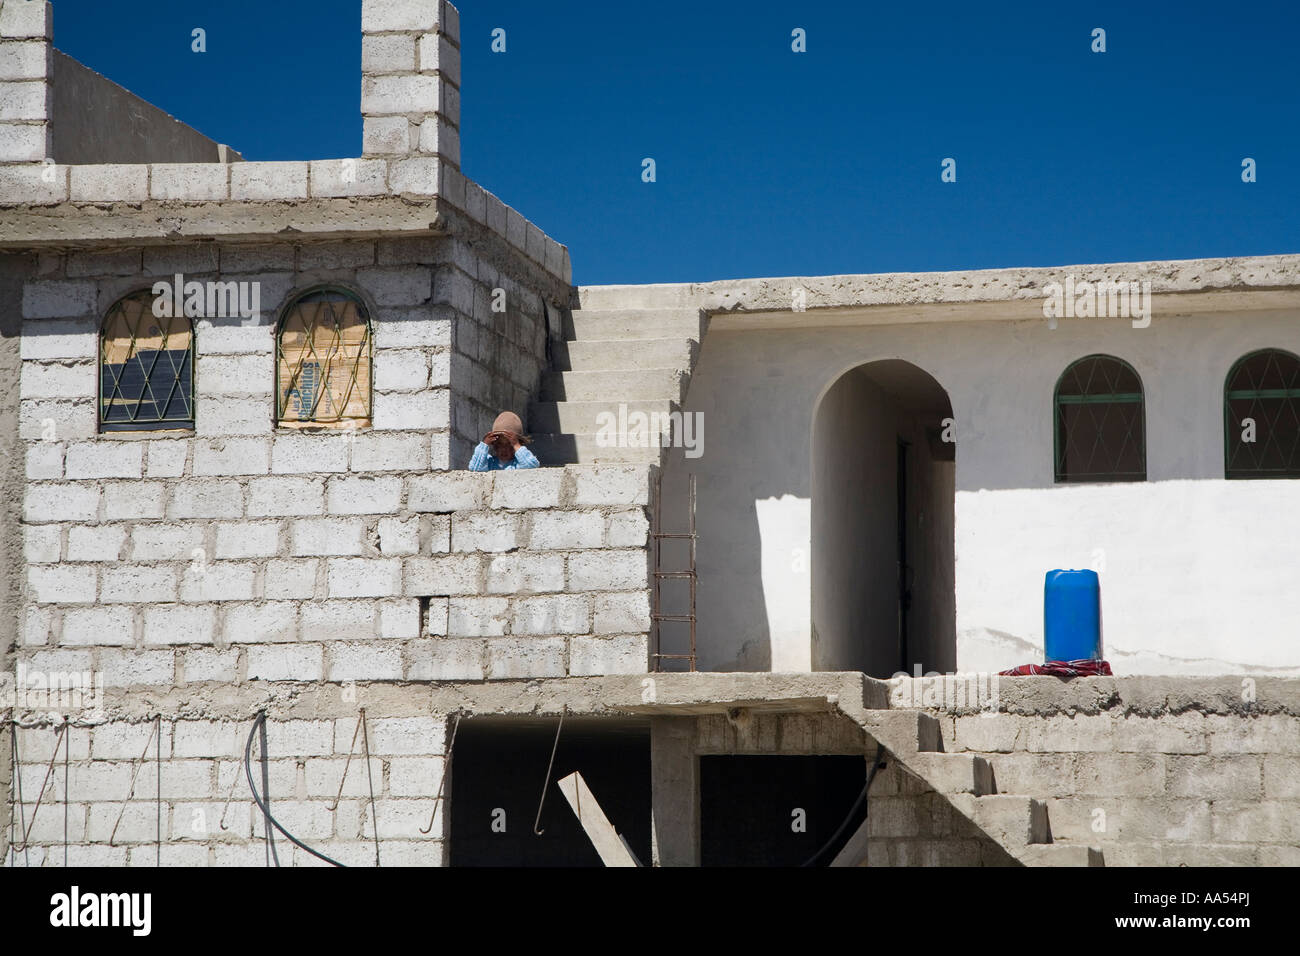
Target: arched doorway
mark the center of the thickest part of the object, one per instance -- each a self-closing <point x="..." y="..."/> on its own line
<point x="882" y="522"/>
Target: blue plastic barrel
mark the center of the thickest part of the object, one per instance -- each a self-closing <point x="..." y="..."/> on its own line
<point x="1072" y="615"/>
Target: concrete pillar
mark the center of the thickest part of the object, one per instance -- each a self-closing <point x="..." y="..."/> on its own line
<point x="674" y="792"/>
<point x="410" y="79"/>
<point x="26" y="68"/>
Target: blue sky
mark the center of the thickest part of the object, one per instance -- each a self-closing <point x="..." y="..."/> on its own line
<point x="771" y="162"/>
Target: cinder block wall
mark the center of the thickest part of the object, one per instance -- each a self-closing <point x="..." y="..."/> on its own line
<point x="1156" y="771"/>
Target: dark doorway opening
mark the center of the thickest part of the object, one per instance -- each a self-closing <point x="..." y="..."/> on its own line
<point x="904" y="571"/>
<point x="498" y="767"/>
<point x="749" y="807"/>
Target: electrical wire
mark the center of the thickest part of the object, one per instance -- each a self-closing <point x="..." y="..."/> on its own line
<point x="861" y="801"/>
<point x="260" y="723"/>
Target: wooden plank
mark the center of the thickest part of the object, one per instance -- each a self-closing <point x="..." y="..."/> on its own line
<point x="611" y="847"/>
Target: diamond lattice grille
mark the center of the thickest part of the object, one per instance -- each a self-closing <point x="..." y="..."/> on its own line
<point x="146" y="368"/>
<point x="1100" y="422"/>
<point x="1263" y="387"/>
<point x="323" y="353"/>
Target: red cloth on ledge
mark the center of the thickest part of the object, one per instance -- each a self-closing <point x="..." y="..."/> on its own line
<point x="1084" y="668"/>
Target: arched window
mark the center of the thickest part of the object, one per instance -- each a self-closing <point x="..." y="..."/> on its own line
<point x="322" y="361"/>
<point x="1261" y="416"/>
<point x="146" y="367"/>
<point x="1100" y="434"/>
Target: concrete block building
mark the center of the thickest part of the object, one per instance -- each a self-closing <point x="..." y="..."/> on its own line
<point x="240" y="543"/>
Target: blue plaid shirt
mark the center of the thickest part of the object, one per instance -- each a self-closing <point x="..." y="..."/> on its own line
<point x="484" y="460"/>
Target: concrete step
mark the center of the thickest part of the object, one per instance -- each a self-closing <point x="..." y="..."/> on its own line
<point x="623" y="385"/>
<point x="606" y="324"/>
<point x="952" y="773"/>
<point x="903" y="732"/>
<point x="602" y="354"/>
<point x="1012" y="820"/>
<point x="1061" y="854"/>
<point x="583" y="450"/>
<point x="587" y="418"/>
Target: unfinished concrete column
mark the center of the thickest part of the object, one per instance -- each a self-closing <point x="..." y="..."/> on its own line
<point x="26" y="68"/>
<point x="675" y="792"/>
<point x="410" y="79"/>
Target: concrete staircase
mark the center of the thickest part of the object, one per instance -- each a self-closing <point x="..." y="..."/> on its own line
<point x="640" y="359"/>
<point x="1018" y="824"/>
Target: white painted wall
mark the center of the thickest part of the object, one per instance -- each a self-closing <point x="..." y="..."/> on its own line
<point x="758" y="390"/>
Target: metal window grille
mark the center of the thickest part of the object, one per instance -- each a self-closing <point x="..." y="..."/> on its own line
<point x="1261" y="416"/>
<point x="323" y="362"/>
<point x="1100" y="422"/>
<point x="146" y="368"/>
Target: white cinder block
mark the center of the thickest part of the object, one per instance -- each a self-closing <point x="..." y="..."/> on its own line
<point x="369" y="660"/>
<point x="43" y="340"/>
<point x="210" y="664"/>
<point x="120" y="740"/>
<point x="234" y="338"/>
<point x="399" y="536"/>
<point x="380" y="16"/>
<point x="165" y="542"/>
<point x="293" y="454"/>
<point x="302" y="738"/>
<point x="166" y="459"/>
<point x="241" y="374"/>
<point x="188" y="258"/>
<point x="608" y="571"/>
<point x="396" y="285"/>
<point x="485" y="531"/>
<point x="34" y="20"/>
<point x="58" y="298"/>
<point x="385" y="136"/>
<point x="415" y="776"/>
<point x="397" y="331"/>
<point x="401" y="370"/>
<point x="138" y="584"/>
<point x="27" y="142"/>
<point x="260" y="623"/>
<point x="338" y="620"/>
<point x="179" y="624"/>
<point x="477" y="616"/>
<point x="567" y="530"/>
<point x="56" y="419"/>
<point x="612" y="484"/>
<point x="105" y="459"/>
<point x="110" y="183"/>
<point x="349" y="177"/>
<point x="248" y="539"/>
<point x="454" y="659"/>
<point x="232" y="456"/>
<point x="437" y="53"/>
<point x="344" y="254"/>
<point x="59" y="380"/>
<point x="420" y="176"/>
<point x="399" y="735"/>
<point x="399" y="620"/>
<point x="31" y="184"/>
<point x="208" y="738"/>
<point x="452" y="491"/>
<point x="626" y="613"/>
<point x="219" y="581"/>
<point x="125" y="668"/>
<point x="206" y="498"/>
<point x="60" y="502"/>
<point x="375" y="452"/>
<point x="45" y="460"/>
<point x="561" y="614"/>
<point x="96" y="542"/>
<point x="102" y="626"/>
<point x="528" y="488"/>
<point x="516" y="658"/>
<point x="192" y="182"/>
<point x="337" y="537"/>
<point x="627" y="529"/>
<point x="287" y="662"/>
<point x="442" y="576"/>
<point x="259" y="181"/>
<point x="525" y="574"/>
<point x="232" y="416"/>
<point x="126" y="500"/>
<point x="291" y="579"/>
<point x="286" y="497"/>
<point x="364" y="496"/>
<point x="364" y="577"/>
<point x="387" y="95"/>
<point x="42" y="543"/>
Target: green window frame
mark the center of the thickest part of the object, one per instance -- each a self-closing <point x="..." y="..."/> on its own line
<point x="146" y="367"/>
<point x="1264" y="386"/>
<point x="1099" y="422"/>
<point x="324" y="361"/>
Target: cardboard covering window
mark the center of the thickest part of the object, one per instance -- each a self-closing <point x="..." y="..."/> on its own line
<point x="146" y="368"/>
<point x="323" y="363"/>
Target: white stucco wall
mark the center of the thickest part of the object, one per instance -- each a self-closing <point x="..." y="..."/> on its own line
<point x="1185" y="543"/>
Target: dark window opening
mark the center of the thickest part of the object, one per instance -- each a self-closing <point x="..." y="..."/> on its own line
<point x="1261" y="416"/>
<point x="323" y="362"/>
<point x="1100" y="422"/>
<point x="146" y="368"/>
